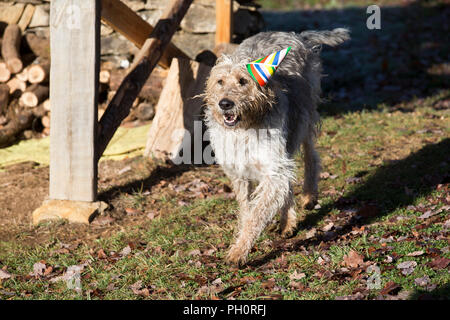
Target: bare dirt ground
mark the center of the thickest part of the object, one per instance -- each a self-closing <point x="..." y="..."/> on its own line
<point x="25" y="186"/>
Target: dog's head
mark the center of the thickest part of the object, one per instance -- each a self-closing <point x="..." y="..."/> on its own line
<point x="233" y="98"/>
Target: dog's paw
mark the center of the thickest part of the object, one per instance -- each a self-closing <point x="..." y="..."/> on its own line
<point x="236" y="256"/>
<point x="309" y="201"/>
<point x="288" y="232"/>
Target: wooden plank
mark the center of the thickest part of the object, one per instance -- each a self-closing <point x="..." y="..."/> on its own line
<point x="75" y="61"/>
<point x="10" y="14"/>
<point x="26" y="17"/>
<point x="121" y="18"/>
<point x="224" y="21"/>
<point x="173" y="126"/>
<point x="145" y="61"/>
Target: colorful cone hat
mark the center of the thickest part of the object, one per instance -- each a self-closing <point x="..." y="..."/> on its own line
<point x="262" y="69"/>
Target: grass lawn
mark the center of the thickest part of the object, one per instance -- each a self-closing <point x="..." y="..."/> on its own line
<point x="380" y="231"/>
<point x="383" y="172"/>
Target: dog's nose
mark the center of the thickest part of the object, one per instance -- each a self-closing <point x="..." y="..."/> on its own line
<point x="226" y="104"/>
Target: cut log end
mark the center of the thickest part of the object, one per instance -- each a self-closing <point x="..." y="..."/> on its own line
<point x="46" y="121"/>
<point x="38" y="73"/>
<point x="14" y="65"/>
<point x="29" y="99"/>
<point x="46" y="105"/>
<point x="104" y="76"/>
<point x="16" y="84"/>
<point x="34" y="95"/>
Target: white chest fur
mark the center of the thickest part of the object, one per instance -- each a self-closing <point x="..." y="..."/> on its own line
<point x="248" y="154"/>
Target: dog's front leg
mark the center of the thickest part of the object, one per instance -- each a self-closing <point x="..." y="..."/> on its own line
<point x="267" y="199"/>
<point x="242" y="189"/>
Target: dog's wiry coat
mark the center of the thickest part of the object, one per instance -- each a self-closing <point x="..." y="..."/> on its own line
<point x="255" y="131"/>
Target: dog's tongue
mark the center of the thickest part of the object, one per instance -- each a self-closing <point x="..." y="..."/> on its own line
<point x="230" y="117"/>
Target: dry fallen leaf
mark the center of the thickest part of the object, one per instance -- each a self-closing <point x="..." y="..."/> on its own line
<point x="101" y="254"/>
<point x="48" y="270"/>
<point x="215" y="287"/>
<point x="390" y="288"/>
<point x="132" y="212"/>
<point x="297" y="285"/>
<point x="151" y="215"/>
<point x="269" y="284"/>
<point x="38" y="269"/>
<point x="310" y="233"/>
<point x="422" y="281"/>
<point x="71" y="273"/>
<point x="324" y="175"/>
<point x="4" y="274"/>
<point x="328" y="227"/>
<point x="195" y="252"/>
<point x="415" y="253"/>
<point x="439" y="263"/>
<point x="102" y="221"/>
<point x="297" y="276"/>
<point x="125" y="251"/>
<point x="138" y="290"/>
<point x="407" y="267"/>
<point x="353" y="259"/>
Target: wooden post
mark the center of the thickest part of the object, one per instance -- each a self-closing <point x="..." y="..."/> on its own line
<point x="224" y="21"/>
<point x="75" y="61"/>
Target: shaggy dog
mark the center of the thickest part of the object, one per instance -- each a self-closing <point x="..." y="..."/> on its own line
<point x="256" y="130"/>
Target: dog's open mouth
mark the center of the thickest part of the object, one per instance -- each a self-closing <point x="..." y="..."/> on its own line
<point x="230" y="119"/>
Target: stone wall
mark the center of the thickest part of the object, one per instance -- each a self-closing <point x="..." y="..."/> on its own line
<point x="197" y="30"/>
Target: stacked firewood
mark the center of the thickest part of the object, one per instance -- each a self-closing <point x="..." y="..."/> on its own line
<point x="24" y="87"/>
<point x="143" y="110"/>
<point x="24" y="90"/>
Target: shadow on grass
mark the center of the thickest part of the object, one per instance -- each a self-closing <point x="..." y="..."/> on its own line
<point x="406" y="59"/>
<point x="440" y="293"/>
<point x="392" y="186"/>
<point x="146" y="184"/>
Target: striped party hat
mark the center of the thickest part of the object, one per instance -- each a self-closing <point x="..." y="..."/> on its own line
<point x="262" y="69"/>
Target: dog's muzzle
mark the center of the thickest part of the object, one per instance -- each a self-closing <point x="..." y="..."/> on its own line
<point x="229" y="117"/>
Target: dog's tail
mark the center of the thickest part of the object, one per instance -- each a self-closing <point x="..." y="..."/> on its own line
<point x="331" y="38"/>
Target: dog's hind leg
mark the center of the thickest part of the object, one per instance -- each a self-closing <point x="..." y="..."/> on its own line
<point x="288" y="219"/>
<point x="268" y="198"/>
<point x="312" y="171"/>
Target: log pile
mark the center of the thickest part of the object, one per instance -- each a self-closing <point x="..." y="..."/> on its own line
<point x="24" y="87"/>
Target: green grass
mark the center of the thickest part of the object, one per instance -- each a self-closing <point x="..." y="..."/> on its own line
<point x="161" y="258"/>
<point x="390" y="155"/>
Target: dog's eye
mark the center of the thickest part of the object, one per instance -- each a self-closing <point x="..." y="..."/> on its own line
<point x="220" y="82"/>
<point x="242" y="81"/>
